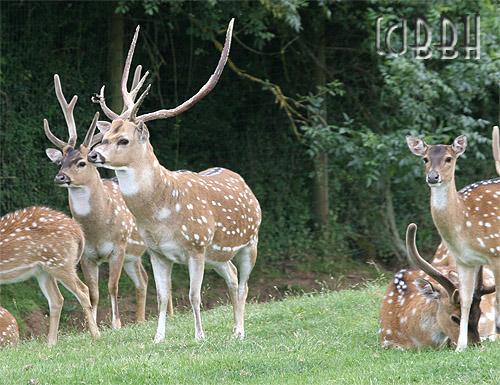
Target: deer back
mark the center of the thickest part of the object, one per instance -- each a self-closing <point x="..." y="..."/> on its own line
<point x="37" y="238"/>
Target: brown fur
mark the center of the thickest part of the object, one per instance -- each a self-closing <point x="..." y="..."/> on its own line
<point x="46" y="244"/>
<point x="9" y="331"/>
<point x="468" y="222"/>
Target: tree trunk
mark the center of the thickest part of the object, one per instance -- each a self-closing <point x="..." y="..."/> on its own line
<point x="320" y="162"/>
<point x="115" y="60"/>
<point x="398" y="245"/>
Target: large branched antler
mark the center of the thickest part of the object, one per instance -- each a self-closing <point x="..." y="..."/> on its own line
<point x="496" y="148"/>
<point x="416" y="259"/>
<point x="131" y="105"/>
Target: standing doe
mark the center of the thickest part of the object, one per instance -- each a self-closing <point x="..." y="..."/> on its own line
<point x="110" y="230"/>
<point x="9" y="331"/>
<point x="211" y="217"/>
<point x="421" y="307"/>
<point x="468" y="221"/>
<point x="46" y="244"/>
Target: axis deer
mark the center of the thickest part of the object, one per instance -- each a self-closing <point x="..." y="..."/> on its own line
<point x="110" y="230"/>
<point x="196" y="219"/>
<point x="421" y="307"/>
<point x="9" y="331"/>
<point x="45" y="244"/>
<point x="468" y="221"/>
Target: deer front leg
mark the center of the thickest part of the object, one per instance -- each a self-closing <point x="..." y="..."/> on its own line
<point x="467" y="280"/>
<point x="196" y="266"/>
<point x="50" y="290"/>
<point x="115" y="270"/>
<point x="90" y="271"/>
<point x="496" y="270"/>
<point x="162" y="271"/>
<point x="137" y="274"/>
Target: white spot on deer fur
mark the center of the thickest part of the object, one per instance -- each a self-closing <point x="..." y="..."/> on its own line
<point x="163" y="213"/>
<point x="178" y="207"/>
<point x="189" y="206"/>
<point x="80" y="200"/>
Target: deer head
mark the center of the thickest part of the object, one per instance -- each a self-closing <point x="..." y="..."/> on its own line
<point x="127" y="137"/>
<point x="446" y="294"/>
<point x="439" y="159"/>
<point x="74" y="169"/>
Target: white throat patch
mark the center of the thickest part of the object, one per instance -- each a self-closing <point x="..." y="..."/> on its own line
<point x="439" y="197"/>
<point x="80" y="200"/>
<point x="127" y="181"/>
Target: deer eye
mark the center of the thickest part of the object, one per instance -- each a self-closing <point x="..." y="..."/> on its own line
<point x="426" y="160"/>
<point x="448" y="159"/>
<point x="123" y="142"/>
<point x="81" y="164"/>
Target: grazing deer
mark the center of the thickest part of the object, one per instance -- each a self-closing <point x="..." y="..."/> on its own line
<point x="9" y="331"/>
<point x="468" y="221"/>
<point x="209" y="218"/>
<point x="110" y="231"/>
<point x="46" y="244"/>
<point x="421" y="307"/>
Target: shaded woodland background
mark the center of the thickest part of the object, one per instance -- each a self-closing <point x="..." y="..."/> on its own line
<point x="306" y="111"/>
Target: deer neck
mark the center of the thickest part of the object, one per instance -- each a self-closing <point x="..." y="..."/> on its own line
<point x="447" y="209"/>
<point x="145" y="184"/>
<point x="88" y="199"/>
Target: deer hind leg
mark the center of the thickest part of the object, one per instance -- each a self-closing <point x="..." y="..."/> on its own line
<point x="71" y="281"/>
<point x="496" y="270"/>
<point x="467" y="280"/>
<point x="138" y="275"/>
<point x="115" y="270"/>
<point x="90" y="271"/>
<point x="228" y="271"/>
<point x="50" y="290"/>
<point x="162" y="271"/>
<point x="196" y="267"/>
<point x="246" y="261"/>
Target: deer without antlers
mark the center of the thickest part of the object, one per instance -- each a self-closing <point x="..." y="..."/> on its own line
<point x="46" y="244"/>
<point x="9" y="331"/>
<point x="468" y="221"/>
<point x="421" y="307"/>
<point x="97" y="204"/>
<point x="209" y="218"/>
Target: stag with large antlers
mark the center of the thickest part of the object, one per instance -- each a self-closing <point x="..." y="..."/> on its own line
<point x="45" y="244"/>
<point x="97" y="204"/>
<point x="467" y="220"/>
<point x="9" y="331"/>
<point x="421" y="307"/>
<point x="209" y="218"/>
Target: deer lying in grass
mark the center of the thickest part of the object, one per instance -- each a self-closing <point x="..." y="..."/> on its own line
<point x="9" y="331"/>
<point x="468" y="221"/>
<point x="110" y="231"/>
<point x="421" y="307"/>
<point x="45" y="244"/>
<point x="209" y="218"/>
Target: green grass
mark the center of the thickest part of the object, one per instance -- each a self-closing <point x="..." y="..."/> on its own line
<point x="327" y="338"/>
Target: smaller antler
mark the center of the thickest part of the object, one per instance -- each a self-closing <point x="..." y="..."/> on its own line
<point x="67" y="110"/>
<point x="496" y="148"/>
<point x="91" y="139"/>
<point x="416" y="259"/>
<point x="54" y="139"/>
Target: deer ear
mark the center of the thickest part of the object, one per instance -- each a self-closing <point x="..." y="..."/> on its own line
<point x="426" y="289"/>
<point x="54" y="155"/>
<point x="459" y="145"/>
<point x="103" y="126"/>
<point x="416" y="145"/>
<point x="143" y="132"/>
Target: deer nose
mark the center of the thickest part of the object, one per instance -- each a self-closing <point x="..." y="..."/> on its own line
<point x="95" y="157"/>
<point x="61" y="178"/>
<point x="433" y="177"/>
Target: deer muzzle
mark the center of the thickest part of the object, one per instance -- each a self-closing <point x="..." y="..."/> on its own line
<point x="61" y="179"/>
<point x="96" y="157"/>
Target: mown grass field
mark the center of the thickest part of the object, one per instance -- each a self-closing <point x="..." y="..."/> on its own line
<point x="326" y="338"/>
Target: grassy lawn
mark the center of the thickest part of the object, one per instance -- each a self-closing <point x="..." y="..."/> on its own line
<point x="328" y="338"/>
